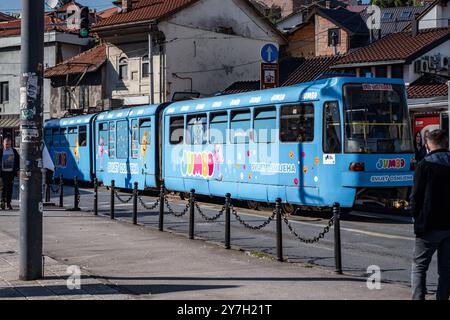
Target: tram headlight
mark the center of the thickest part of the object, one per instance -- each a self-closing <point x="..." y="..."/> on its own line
<point x="357" y="166"/>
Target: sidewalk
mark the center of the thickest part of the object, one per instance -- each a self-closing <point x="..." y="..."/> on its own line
<point x="122" y="261"/>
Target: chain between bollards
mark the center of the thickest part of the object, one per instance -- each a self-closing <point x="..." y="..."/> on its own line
<point x="161" y="207"/>
<point x="227" y="221"/>
<point x="191" y="214"/>
<point x="135" y="203"/>
<point x="337" y="237"/>
<point x="279" y="230"/>
<point x="95" y="196"/>
<point x="61" y="191"/>
<point x="111" y="213"/>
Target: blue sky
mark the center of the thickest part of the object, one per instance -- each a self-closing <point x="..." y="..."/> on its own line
<point x="14" y="5"/>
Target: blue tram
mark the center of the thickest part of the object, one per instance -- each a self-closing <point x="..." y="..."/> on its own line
<point x="312" y="144"/>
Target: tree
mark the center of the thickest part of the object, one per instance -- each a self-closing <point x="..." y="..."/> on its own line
<point x="395" y="3"/>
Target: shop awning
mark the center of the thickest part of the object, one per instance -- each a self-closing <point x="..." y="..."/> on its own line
<point x="9" y="122"/>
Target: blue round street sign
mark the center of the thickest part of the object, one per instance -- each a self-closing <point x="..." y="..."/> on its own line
<point x="269" y="53"/>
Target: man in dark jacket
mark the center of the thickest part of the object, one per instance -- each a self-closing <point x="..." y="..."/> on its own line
<point x="430" y="204"/>
<point x="9" y="168"/>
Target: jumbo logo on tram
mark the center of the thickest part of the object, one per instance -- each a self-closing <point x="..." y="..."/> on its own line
<point x="332" y="140"/>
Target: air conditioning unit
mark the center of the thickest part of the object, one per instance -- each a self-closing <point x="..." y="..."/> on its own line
<point x="424" y="65"/>
<point x="445" y="63"/>
<point x="435" y="62"/>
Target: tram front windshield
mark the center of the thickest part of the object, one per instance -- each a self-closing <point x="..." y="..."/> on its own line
<point x="376" y="119"/>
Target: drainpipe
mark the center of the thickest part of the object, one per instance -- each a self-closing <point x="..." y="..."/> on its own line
<point x="150" y="61"/>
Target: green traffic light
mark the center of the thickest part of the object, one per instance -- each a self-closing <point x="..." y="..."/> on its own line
<point x="84" y="33"/>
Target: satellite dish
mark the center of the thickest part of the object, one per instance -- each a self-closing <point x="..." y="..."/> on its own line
<point x="52" y="3"/>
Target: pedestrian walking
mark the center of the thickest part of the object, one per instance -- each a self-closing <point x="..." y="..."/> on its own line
<point x="430" y="205"/>
<point x="9" y="168"/>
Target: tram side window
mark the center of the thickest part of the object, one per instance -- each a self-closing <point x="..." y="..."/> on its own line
<point x="103" y="129"/>
<point x="297" y="123"/>
<point x="73" y="136"/>
<point x="122" y="140"/>
<point x="240" y="126"/>
<point x="112" y="140"/>
<point x="64" y="139"/>
<point x="56" y="138"/>
<point x="145" y="131"/>
<point x="82" y="136"/>
<point x="134" y="139"/>
<point x="48" y="138"/>
<point x="176" y="134"/>
<point x="265" y="125"/>
<point x="196" y="129"/>
<point x="332" y="142"/>
<point x="218" y="126"/>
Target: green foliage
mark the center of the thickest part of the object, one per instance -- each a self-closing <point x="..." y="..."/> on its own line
<point x="395" y="3"/>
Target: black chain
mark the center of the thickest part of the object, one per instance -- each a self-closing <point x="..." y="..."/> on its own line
<point x="321" y="235"/>
<point x="52" y="189"/>
<point x="148" y="206"/>
<point x="210" y="219"/>
<point x="172" y="212"/>
<point x="121" y="199"/>
<point x="245" y="224"/>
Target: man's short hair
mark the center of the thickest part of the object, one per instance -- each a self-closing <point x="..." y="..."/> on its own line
<point x="438" y="138"/>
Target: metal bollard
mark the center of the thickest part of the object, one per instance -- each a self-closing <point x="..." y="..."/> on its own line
<point x="227" y="220"/>
<point x="279" y="231"/>
<point x="61" y="191"/>
<point x="161" y="207"/>
<point x="111" y="214"/>
<point x="95" y="196"/>
<point x="76" y="196"/>
<point x="135" y="202"/>
<point x="337" y="237"/>
<point x="191" y="214"/>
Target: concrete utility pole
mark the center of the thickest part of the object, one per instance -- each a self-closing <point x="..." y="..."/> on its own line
<point x="31" y="118"/>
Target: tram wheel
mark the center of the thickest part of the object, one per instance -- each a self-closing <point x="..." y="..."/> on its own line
<point x="253" y="205"/>
<point x="184" y="195"/>
<point x="288" y="208"/>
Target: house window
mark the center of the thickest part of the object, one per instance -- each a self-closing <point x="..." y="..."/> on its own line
<point x="405" y="14"/>
<point x="84" y="97"/>
<point x="334" y="37"/>
<point x="4" y="92"/>
<point x="145" y="67"/>
<point x="381" y="71"/>
<point x="66" y="101"/>
<point x="123" y="69"/>
<point x="397" y="71"/>
<point x="386" y="16"/>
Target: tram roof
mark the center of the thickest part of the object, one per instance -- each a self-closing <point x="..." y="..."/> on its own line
<point x="303" y="92"/>
<point x="68" y="122"/>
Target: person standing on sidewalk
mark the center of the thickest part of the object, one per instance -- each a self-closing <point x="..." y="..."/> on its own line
<point x="430" y="205"/>
<point x="9" y="168"/>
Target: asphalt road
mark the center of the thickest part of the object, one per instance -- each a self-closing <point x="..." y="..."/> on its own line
<point x="384" y="240"/>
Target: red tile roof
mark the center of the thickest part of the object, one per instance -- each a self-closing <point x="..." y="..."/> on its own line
<point x="145" y="10"/>
<point x="427" y="87"/>
<point x="107" y="12"/>
<point x="88" y="61"/>
<point x="310" y="69"/>
<point x="5" y="17"/>
<point x="243" y="86"/>
<point x="12" y="28"/>
<point x="398" y="46"/>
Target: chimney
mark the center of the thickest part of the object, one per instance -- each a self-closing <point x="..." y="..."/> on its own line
<point x="126" y="5"/>
<point x="415" y="25"/>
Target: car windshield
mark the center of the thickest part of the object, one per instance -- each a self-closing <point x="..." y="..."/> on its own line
<point x="376" y="119"/>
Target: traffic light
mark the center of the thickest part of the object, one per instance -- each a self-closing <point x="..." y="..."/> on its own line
<point x="84" y="23"/>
